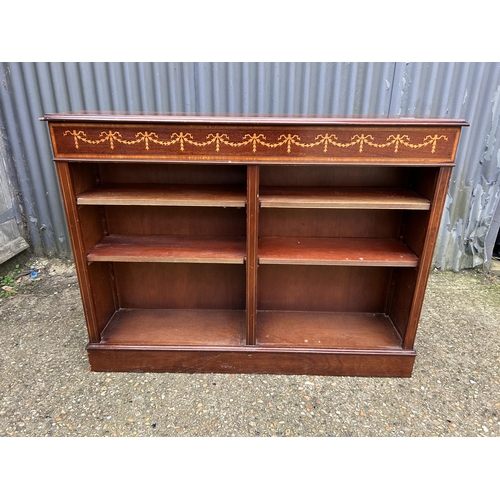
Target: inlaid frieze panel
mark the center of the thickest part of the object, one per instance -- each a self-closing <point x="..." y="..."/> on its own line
<point x="247" y="143"/>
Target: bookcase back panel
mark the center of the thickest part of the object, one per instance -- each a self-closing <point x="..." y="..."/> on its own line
<point x="189" y="221"/>
<point x="172" y="174"/>
<point x="324" y="223"/>
<point x="334" y="175"/>
<point x="323" y="288"/>
<point x="180" y="286"/>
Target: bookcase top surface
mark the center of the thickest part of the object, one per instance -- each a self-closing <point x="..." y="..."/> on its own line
<point x="268" y="119"/>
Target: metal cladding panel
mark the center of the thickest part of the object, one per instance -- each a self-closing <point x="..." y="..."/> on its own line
<point x="448" y="90"/>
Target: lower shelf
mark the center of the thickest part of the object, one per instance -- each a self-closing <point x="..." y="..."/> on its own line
<point x="158" y="327"/>
<point x="326" y="330"/>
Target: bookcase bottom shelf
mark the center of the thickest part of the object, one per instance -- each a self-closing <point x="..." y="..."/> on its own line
<point x="213" y="341"/>
<point x="326" y="330"/>
<point x="157" y="327"/>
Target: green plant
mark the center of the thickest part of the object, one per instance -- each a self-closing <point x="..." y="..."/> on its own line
<point x="8" y="284"/>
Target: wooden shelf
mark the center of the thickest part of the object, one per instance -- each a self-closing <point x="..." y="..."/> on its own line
<point x="325" y="197"/>
<point x="168" y="248"/>
<point x="336" y="251"/>
<point x="156" y="327"/>
<point x="165" y="195"/>
<point x="326" y="330"/>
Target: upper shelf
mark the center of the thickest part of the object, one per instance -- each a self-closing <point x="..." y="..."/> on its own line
<point x="165" y="195"/>
<point x="336" y="252"/>
<point x="324" y="197"/>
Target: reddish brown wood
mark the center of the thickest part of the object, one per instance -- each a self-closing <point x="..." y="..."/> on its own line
<point x="318" y="330"/>
<point x="92" y="225"/>
<point x="83" y="176"/>
<point x="401" y="298"/>
<point x="156" y="327"/>
<point x="152" y="285"/>
<point x="167" y="244"/>
<point x="415" y="224"/>
<point x="336" y="251"/>
<point x="164" y="195"/>
<point x="288" y="361"/>
<point x="337" y="176"/>
<point x="77" y="242"/>
<point x="320" y="197"/>
<point x="414" y="231"/>
<point x="323" y="288"/>
<point x="423" y="181"/>
<point x="167" y="248"/>
<point x="252" y="250"/>
<point x="321" y="223"/>
<point x="102" y="286"/>
<point x="427" y="254"/>
<point x="247" y="142"/>
<point x="209" y="175"/>
<point x="176" y="221"/>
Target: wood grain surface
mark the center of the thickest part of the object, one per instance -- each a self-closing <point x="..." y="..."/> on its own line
<point x="167" y="248"/>
<point x="250" y="244"/>
<point x="321" y="197"/>
<point x="164" y="195"/>
<point x="336" y="251"/>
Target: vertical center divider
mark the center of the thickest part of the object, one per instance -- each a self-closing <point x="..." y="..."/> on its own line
<point x="252" y="251"/>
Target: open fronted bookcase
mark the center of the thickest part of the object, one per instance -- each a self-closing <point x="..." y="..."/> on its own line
<point x="292" y="245"/>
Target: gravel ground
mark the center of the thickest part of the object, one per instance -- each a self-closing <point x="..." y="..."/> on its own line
<point x="47" y="389"/>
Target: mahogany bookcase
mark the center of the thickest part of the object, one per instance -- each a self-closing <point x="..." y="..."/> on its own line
<point x="291" y="245"/>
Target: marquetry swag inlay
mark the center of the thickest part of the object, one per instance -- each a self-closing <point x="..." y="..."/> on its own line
<point x="359" y="141"/>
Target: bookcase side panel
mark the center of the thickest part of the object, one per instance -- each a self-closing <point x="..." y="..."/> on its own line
<point x="425" y="260"/>
<point x="92" y="316"/>
<point x="103" y="291"/>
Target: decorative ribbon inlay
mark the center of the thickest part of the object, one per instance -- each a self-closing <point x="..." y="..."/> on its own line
<point x="325" y="140"/>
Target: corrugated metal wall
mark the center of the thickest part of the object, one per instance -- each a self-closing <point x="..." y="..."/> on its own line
<point x="454" y="90"/>
<point x="11" y="241"/>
